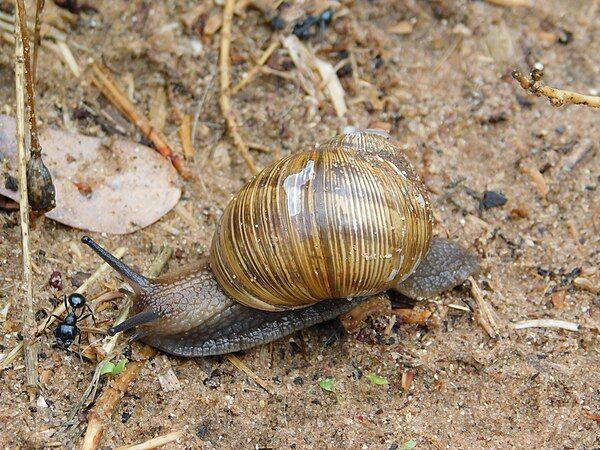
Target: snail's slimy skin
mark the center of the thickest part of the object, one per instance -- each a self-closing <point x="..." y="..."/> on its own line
<point x="345" y="220"/>
<point x="188" y="314"/>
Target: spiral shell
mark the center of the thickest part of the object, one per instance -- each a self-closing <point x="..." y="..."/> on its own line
<point x="347" y="219"/>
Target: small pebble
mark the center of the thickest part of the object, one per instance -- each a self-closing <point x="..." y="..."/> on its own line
<point x="56" y="280"/>
<point x="492" y="199"/>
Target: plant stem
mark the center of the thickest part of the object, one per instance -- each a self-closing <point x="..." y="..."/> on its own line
<point x="28" y="331"/>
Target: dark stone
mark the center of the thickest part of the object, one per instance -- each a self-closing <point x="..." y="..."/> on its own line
<point x="492" y="199"/>
<point x="11" y="183"/>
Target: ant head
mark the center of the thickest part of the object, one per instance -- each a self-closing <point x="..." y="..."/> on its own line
<point x="71" y="319"/>
<point x="76" y="300"/>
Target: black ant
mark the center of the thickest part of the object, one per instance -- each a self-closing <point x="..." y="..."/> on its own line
<point x="67" y="330"/>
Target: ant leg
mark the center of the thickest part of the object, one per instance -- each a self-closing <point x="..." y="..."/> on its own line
<point x="50" y="317"/>
<point x="79" y="345"/>
<point x="91" y="313"/>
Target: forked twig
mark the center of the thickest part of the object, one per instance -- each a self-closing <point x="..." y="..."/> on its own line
<point x="225" y="77"/>
<point x="557" y="97"/>
<point x="254" y="71"/>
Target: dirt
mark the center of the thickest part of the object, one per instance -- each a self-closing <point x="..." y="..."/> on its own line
<point x="445" y="91"/>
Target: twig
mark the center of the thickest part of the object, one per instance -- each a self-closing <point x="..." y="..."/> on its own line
<point x="36" y="149"/>
<point x="41" y="193"/>
<point x="185" y="132"/>
<point x="254" y="71"/>
<point x="225" y="100"/>
<point x="511" y="3"/>
<point x="237" y="362"/>
<point x="557" y="97"/>
<point x="546" y="323"/>
<point x="153" y="443"/>
<point x="537" y="178"/>
<point x="484" y="314"/>
<point x="28" y="329"/>
<point x="110" y="398"/>
<point x="104" y="81"/>
<point x="39" y="7"/>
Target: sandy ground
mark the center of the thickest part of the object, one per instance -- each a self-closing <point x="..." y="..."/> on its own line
<point x="444" y="88"/>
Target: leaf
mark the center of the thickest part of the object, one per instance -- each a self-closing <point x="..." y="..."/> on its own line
<point x="107" y="368"/>
<point x="110" y="368"/>
<point x="128" y="186"/>
<point x="409" y="445"/>
<point x="327" y="385"/>
<point x="377" y="380"/>
<point x="119" y="367"/>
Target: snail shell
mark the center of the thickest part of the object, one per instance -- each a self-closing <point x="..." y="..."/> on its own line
<point x="349" y="218"/>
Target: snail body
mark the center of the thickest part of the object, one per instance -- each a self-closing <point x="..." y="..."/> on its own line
<point x="304" y="241"/>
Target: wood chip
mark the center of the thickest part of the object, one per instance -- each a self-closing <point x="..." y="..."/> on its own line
<point x="376" y="305"/>
<point x="334" y="87"/>
<point x="538" y="180"/>
<point x="558" y="299"/>
<point x="407" y="380"/>
<point x="587" y="285"/>
<point x="403" y="27"/>
<point x="412" y="316"/>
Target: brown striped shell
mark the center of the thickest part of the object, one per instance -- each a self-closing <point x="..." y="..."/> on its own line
<point x="347" y="219"/>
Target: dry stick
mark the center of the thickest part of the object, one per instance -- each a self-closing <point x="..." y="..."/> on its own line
<point x="254" y="71"/>
<point x="109" y="399"/>
<point x="185" y="132"/>
<point x="484" y="314"/>
<point x="60" y="309"/>
<point x="153" y="443"/>
<point x="237" y="362"/>
<point x="28" y="313"/>
<point x="557" y="97"/>
<point x="225" y="100"/>
<point x="36" y="149"/>
<point x="39" y="7"/>
<point x="546" y="323"/>
<point x="104" y="81"/>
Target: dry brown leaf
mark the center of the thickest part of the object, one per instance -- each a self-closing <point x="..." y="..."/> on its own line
<point x="130" y="185"/>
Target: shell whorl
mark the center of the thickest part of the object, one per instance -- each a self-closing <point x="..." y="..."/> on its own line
<point x="347" y="219"/>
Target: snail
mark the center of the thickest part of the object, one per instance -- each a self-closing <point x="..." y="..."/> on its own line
<point x="307" y="239"/>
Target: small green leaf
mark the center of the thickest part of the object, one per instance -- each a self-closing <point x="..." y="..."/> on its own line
<point x="107" y="368"/>
<point x="327" y="384"/>
<point x="377" y="380"/>
<point x="110" y="368"/>
<point x="409" y="445"/>
<point x="119" y="367"/>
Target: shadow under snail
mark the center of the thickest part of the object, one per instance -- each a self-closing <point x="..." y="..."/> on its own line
<point x="307" y="239"/>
